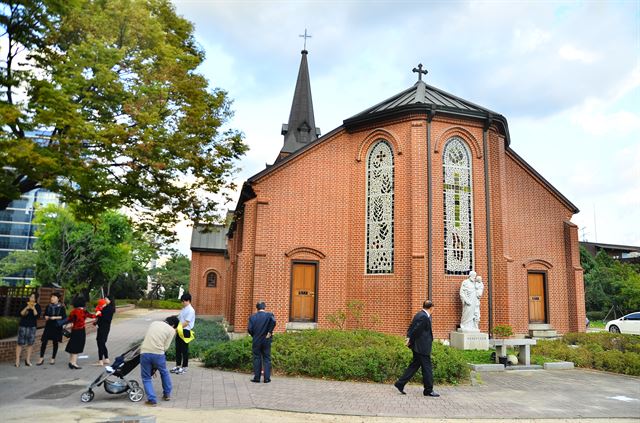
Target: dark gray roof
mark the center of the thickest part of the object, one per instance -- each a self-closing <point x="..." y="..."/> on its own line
<point x="211" y="238"/>
<point x="422" y="97"/>
<point x="301" y="129"/>
<point x="425" y="94"/>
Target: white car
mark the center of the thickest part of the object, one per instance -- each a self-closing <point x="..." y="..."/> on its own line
<point x="626" y="324"/>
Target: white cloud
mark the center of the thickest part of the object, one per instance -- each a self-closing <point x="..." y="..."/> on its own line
<point x="569" y="52"/>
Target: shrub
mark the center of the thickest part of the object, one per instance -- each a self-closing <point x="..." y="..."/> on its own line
<point x="8" y="327"/>
<point x="502" y="331"/>
<point x="208" y="334"/>
<point x="617" y="353"/>
<point x="340" y="355"/>
<point x="596" y="315"/>
<point x="607" y="341"/>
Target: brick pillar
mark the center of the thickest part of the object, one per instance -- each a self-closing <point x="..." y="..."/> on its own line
<point x="419" y="216"/>
<point x="575" y="282"/>
<point x="245" y="268"/>
<point x="497" y="192"/>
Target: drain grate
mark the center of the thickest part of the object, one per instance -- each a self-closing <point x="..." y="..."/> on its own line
<point x="56" y="391"/>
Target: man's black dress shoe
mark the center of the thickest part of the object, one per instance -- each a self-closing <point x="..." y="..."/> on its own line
<point x="431" y="394"/>
<point x="255" y="381"/>
<point x="400" y="388"/>
<point x="267" y="380"/>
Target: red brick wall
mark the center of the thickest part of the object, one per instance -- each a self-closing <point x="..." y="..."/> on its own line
<point x="313" y="208"/>
<point x="207" y="300"/>
<point x="539" y="239"/>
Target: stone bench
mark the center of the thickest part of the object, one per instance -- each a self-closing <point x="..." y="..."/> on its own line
<point x="524" y="346"/>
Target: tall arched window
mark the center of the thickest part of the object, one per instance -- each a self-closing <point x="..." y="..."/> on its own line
<point x="458" y="208"/>
<point x="380" y="208"/>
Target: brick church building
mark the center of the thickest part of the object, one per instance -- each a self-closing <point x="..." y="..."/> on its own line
<point x="395" y="206"/>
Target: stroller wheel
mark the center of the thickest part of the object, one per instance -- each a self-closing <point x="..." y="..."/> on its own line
<point x="87" y="396"/>
<point x="136" y="393"/>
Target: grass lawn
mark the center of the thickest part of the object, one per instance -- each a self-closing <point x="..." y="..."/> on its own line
<point x="484" y="357"/>
<point x="598" y="324"/>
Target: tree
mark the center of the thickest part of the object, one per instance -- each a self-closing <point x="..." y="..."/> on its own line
<point x="17" y="262"/>
<point x="610" y="283"/>
<point x="100" y="101"/>
<point x="173" y="274"/>
<point x="83" y="257"/>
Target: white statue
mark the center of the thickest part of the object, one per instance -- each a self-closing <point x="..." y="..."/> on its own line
<point x="180" y="292"/>
<point x="470" y="301"/>
<point x="479" y="290"/>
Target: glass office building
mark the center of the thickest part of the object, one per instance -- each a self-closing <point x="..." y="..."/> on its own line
<point x="17" y="230"/>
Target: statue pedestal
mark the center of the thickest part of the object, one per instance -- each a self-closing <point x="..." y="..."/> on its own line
<point x="469" y="340"/>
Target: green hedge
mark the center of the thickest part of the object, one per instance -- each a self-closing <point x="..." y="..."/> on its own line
<point x="619" y="353"/>
<point x="164" y="304"/>
<point x="340" y="355"/>
<point x="8" y="327"/>
<point x="208" y="334"/>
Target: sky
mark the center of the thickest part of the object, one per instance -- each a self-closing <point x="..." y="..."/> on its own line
<point x="565" y="74"/>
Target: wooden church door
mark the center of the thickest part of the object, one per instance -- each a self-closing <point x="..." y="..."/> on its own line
<point x="536" y="298"/>
<point x="303" y="292"/>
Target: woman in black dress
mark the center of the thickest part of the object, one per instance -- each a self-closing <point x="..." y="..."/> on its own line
<point x="53" y="315"/>
<point x="104" y="326"/>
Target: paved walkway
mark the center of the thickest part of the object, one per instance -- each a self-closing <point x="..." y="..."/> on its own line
<point x="573" y="394"/>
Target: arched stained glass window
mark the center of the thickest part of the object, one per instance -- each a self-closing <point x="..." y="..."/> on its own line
<point x="458" y="208"/>
<point x="380" y="208"/>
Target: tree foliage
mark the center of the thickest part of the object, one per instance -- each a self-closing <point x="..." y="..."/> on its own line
<point x="17" y="262"/>
<point x="82" y="257"/>
<point x="100" y="101"/>
<point x="173" y="274"/>
<point x="610" y="283"/>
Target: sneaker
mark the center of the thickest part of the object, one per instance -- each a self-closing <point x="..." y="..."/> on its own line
<point x="150" y="403"/>
<point x="181" y="370"/>
<point x="166" y="397"/>
<point x="175" y="369"/>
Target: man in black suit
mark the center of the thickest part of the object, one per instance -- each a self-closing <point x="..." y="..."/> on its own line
<point x="420" y="340"/>
<point x="260" y="328"/>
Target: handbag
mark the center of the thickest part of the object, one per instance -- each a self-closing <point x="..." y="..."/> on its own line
<point x="66" y="333"/>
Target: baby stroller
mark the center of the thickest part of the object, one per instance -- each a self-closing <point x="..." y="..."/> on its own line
<point x="113" y="379"/>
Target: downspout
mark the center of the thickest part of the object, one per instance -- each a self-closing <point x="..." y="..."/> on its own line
<point x="485" y="150"/>
<point x="430" y="113"/>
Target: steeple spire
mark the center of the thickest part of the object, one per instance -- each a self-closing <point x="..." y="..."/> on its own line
<point x="301" y="129"/>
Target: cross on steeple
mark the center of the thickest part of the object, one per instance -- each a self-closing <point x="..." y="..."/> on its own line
<point x="420" y="71"/>
<point x="305" y="36"/>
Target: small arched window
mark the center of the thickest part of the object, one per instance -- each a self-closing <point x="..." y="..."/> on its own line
<point x="212" y="280"/>
<point x="379" y="236"/>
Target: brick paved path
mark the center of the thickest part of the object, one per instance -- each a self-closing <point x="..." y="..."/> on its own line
<point x="514" y="394"/>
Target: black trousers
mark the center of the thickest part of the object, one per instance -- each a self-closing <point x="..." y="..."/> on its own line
<point x="182" y="351"/>
<point x="419" y="360"/>
<point x="101" y="339"/>
<point x="43" y="347"/>
<point x="261" y="356"/>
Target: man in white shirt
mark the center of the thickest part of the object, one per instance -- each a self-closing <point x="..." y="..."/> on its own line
<point x="187" y="319"/>
<point x="152" y="356"/>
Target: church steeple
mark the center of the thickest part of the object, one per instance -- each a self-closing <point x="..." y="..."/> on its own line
<point x="301" y="129"/>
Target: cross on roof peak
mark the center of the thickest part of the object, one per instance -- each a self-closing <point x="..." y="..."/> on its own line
<point x="305" y="36"/>
<point x="420" y="71"/>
